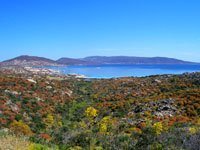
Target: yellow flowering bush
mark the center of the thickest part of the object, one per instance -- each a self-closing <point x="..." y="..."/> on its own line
<point x="158" y="127"/>
<point x="103" y="127"/>
<point x="83" y="125"/>
<point x="20" y="127"/>
<point x="136" y="130"/>
<point x="60" y="123"/>
<point x="106" y="119"/>
<point x="49" y="120"/>
<point x="34" y="146"/>
<point x="192" y="130"/>
<point x="91" y="112"/>
<point x="198" y="121"/>
<point x="104" y="123"/>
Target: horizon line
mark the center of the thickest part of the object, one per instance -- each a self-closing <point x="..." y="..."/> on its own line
<point x="101" y="56"/>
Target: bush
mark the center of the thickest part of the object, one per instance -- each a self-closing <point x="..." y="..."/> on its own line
<point x="34" y="146"/>
<point x="20" y="127"/>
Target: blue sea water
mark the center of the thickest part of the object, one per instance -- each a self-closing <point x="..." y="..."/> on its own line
<point x="139" y="70"/>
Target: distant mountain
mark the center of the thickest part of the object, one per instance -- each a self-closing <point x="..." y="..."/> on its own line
<point x="134" y="60"/>
<point x="71" y="61"/>
<point x="93" y="60"/>
<point x="26" y="60"/>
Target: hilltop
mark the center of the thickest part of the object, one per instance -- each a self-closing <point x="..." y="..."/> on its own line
<point x="26" y="60"/>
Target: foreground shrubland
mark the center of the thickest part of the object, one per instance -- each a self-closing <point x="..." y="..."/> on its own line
<point x="156" y="112"/>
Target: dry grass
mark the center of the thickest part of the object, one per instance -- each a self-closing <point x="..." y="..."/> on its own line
<point x="11" y="142"/>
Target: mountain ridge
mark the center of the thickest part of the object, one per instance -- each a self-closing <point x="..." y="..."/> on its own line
<point x="128" y="60"/>
<point x="26" y="60"/>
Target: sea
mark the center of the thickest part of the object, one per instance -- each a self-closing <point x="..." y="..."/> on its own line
<point x="119" y="70"/>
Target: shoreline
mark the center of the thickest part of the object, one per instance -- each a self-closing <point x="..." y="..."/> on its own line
<point x="42" y="71"/>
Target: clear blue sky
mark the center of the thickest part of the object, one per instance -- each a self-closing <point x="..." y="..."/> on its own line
<point x="79" y="28"/>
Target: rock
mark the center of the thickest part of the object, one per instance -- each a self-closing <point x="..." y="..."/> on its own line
<point x="12" y="92"/>
<point x="158" y="81"/>
<point x="160" y="108"/>
<point x="26" y="117"/>
<point x="49" y="87"/>
<point x="39" y="99"/>
<point x="68" y="92"/>
<point x="9" y="102"/>
<point x="31" y="80"/>
<point x="158" y="114"/>
<point x="5" y="130"/>
<point x="14" y="108"/>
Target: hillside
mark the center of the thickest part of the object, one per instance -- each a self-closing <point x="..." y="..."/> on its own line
<point x="155" y="112"/>
<point x="26" y="60"/>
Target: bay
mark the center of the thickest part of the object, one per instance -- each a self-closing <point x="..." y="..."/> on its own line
<point x="118" y="70"/>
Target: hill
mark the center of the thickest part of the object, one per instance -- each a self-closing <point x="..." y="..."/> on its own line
<point x="26" y="60"/>
<point x="134" y="60"/>
<point x="99" y="60"/>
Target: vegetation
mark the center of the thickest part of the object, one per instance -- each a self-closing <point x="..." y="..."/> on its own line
<point x="155" y="112"/>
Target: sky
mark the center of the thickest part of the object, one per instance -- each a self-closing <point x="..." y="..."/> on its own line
<point x="79" y="28"/>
